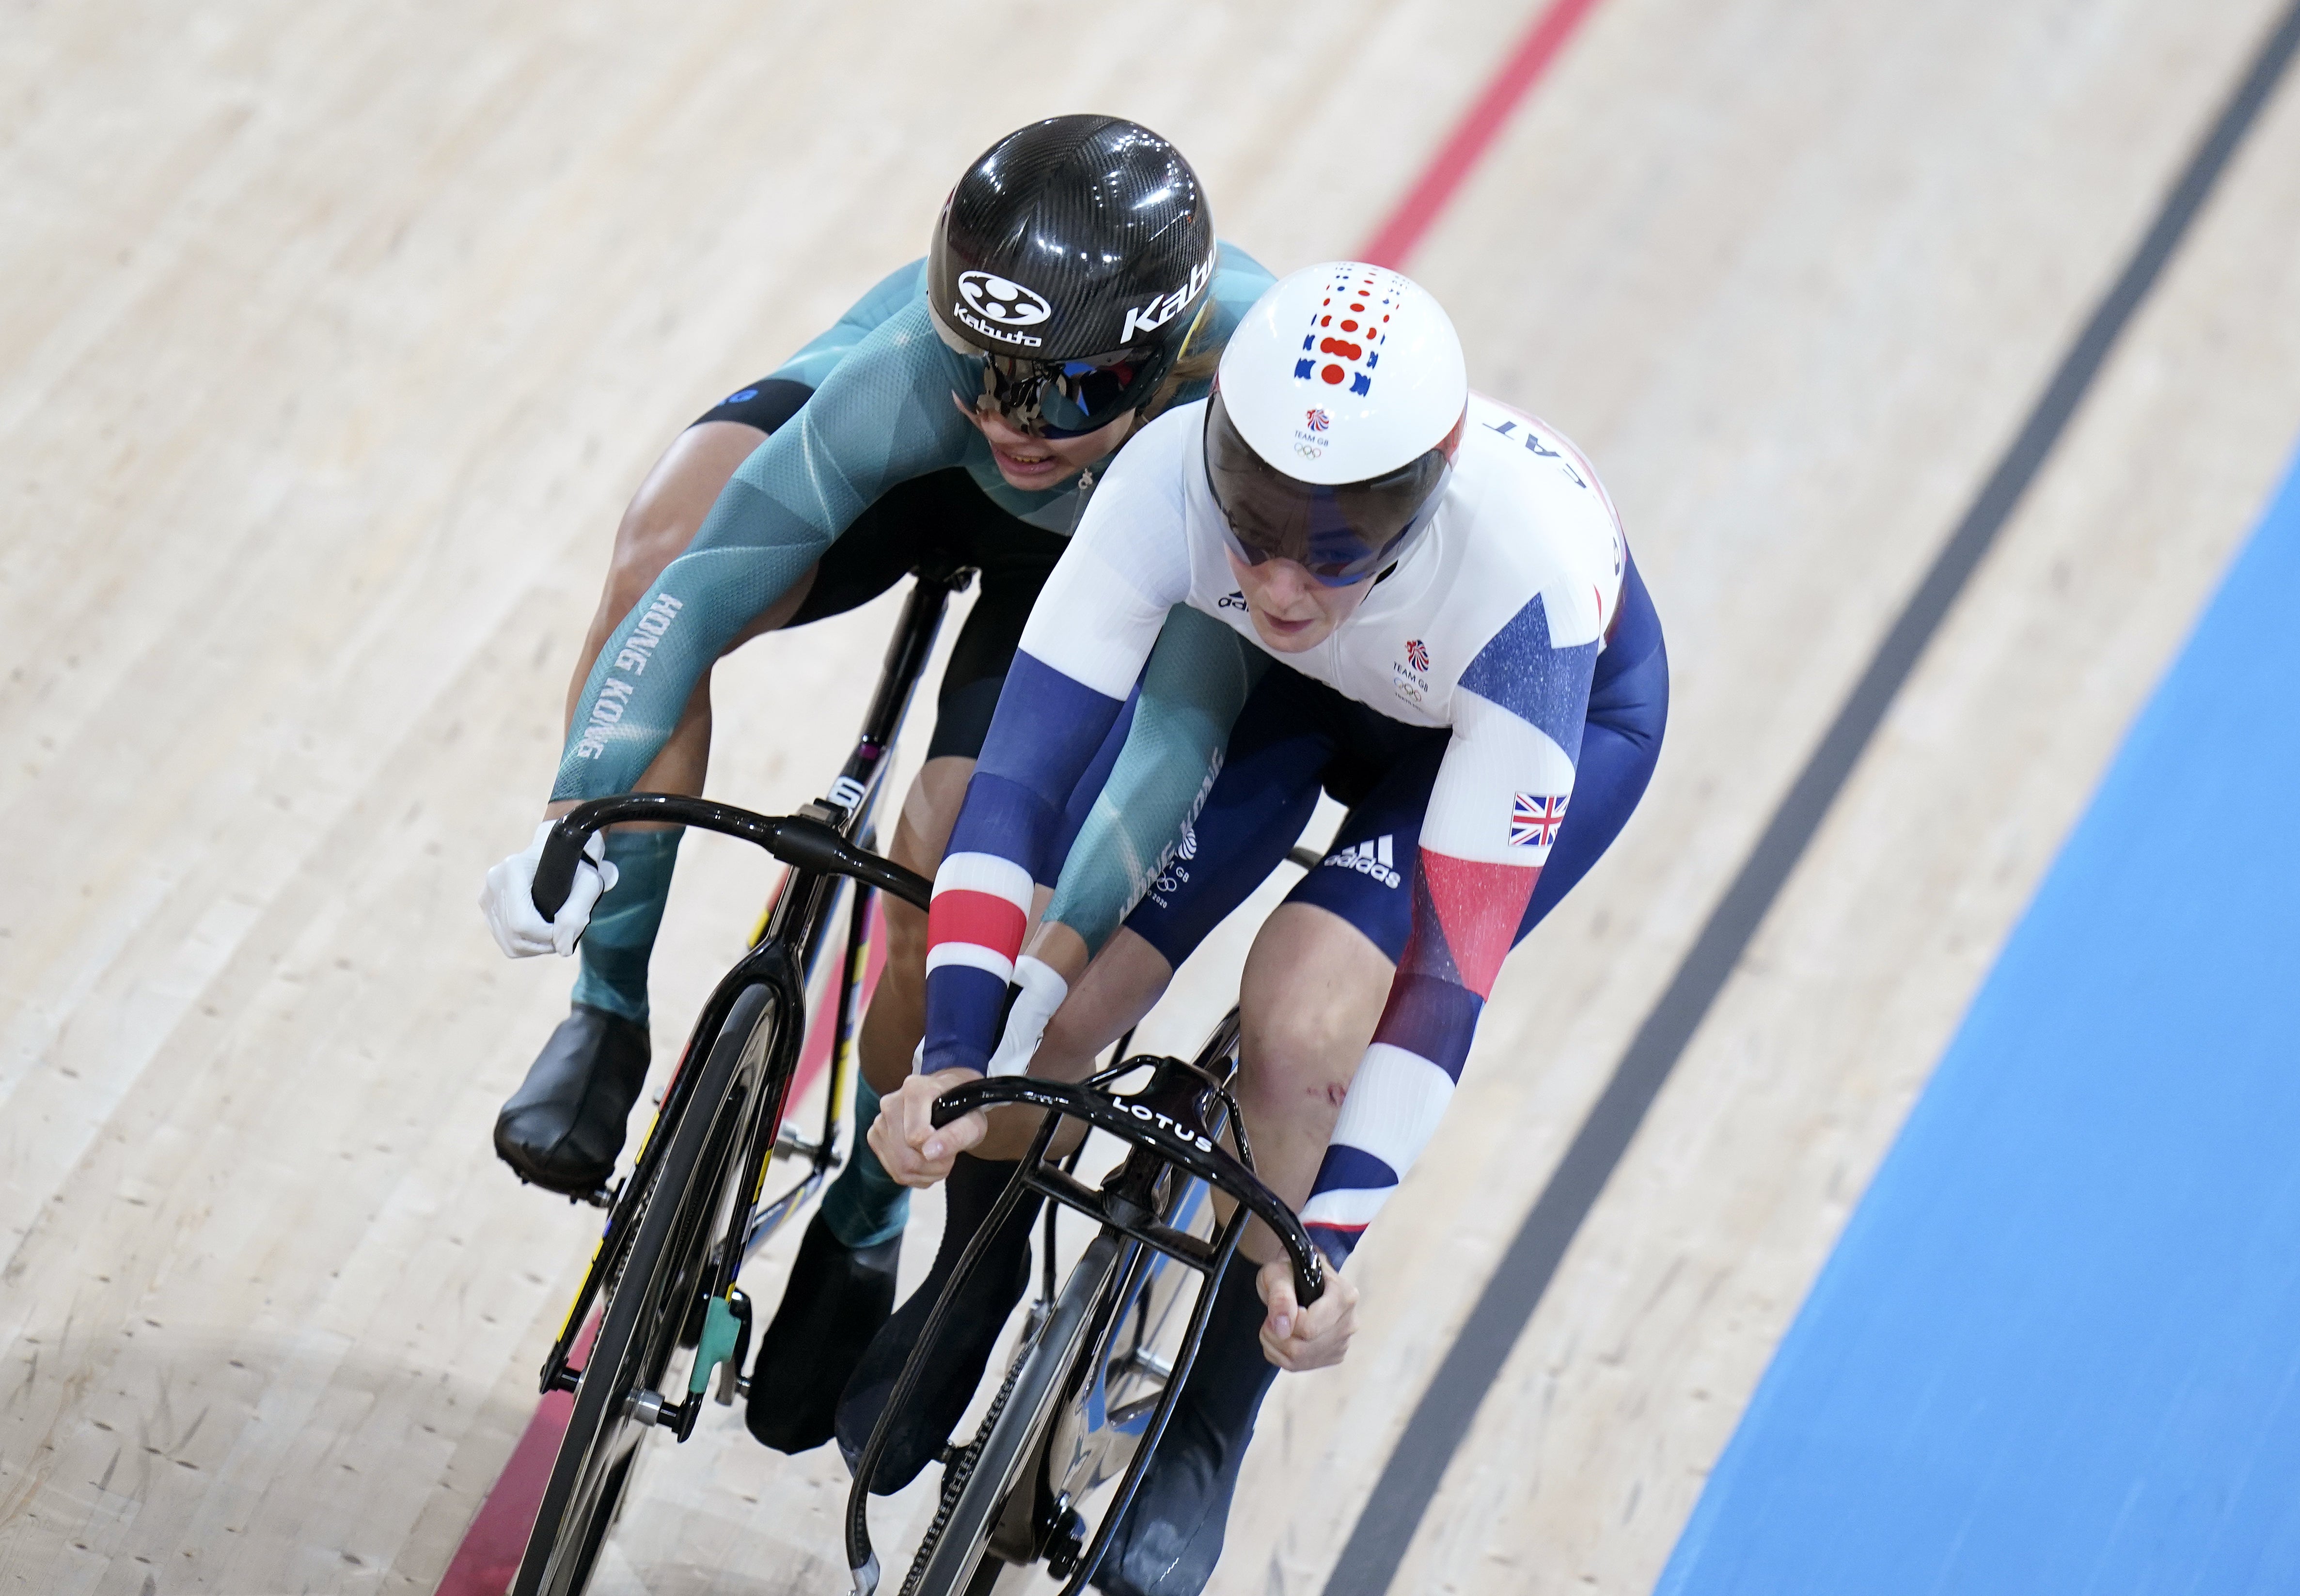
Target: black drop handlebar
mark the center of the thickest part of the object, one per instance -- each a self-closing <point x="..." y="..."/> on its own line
<point x="1185" y="1146"/>
<point x="796" y="840"/>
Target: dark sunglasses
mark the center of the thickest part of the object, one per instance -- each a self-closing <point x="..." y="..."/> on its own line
<point x="1059" y="399"/>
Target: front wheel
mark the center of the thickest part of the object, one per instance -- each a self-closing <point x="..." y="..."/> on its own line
<point x="650" y="1295"/>
<point x="953" y="1560"/>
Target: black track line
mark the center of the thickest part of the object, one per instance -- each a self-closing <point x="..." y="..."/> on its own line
<point x="1435" y="1432"/>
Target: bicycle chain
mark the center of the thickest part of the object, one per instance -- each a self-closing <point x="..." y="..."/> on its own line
<point x="961" y="1470"/>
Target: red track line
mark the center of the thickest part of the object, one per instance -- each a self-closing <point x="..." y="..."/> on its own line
<point x="1404" y="227"/>
<point x="488" y="1557"/>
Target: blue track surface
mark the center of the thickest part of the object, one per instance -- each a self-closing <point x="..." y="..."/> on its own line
<point x="2058" y="1347"/>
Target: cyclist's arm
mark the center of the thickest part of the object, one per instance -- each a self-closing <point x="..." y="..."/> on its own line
<point x="1517" y="734"/>
<point x="1083" y="648"/>
<point x="1192" y="690"/>
<point x="881" y="416"/>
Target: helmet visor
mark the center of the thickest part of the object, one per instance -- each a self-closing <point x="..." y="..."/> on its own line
<point x="1059" y="398"/>
<point x="1340" y="534"/>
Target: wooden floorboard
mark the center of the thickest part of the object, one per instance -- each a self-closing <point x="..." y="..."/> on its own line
<point x="336" y="339"/>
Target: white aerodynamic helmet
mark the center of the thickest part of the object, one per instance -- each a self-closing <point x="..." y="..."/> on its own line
<point x="1334" y="420"/>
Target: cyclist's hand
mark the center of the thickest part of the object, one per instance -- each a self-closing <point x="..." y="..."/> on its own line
<point x="1298" y="1338"/>
<point x="508" y="900"/>
<point x="905" y="1138"/>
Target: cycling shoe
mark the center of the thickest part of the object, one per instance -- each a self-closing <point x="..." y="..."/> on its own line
<point x="838" y="1298"/>
<point x="956" y="1361"/>
<point x="564" y="1126"/>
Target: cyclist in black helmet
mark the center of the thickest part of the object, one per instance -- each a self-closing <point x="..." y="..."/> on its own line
<point x="961" y="409"/>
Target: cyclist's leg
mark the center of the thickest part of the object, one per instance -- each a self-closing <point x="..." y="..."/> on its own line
<point x="1323" y="954"/>
<point x="1168" y="1543"/>
<point x="1013" y="560"/>
<point x="564" y="1126"/>
<point x="1322" y="950"/>
<point x="954" y="519"/>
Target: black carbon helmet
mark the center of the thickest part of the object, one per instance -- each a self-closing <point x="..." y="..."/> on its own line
<point x="1073" y="258"/>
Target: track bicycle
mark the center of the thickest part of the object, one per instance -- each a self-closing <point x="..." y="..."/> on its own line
<point x="681" y="1225"/>
<point x="1087" y="1394"/>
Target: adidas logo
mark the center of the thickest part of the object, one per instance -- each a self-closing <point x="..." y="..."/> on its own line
<point x="1371" y="858"/>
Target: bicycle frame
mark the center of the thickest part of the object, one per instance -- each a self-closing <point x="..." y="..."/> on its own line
<point x="823" y="846"/>
<point x="1166" y="1125"/>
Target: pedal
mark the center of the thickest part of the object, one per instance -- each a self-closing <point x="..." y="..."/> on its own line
<point x="950" y="1454"/>
<point x="790" y="1144"/>
<point x="604" y="1197"/>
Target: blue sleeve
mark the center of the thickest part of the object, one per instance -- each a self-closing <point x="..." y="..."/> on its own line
<point x="1045" y="733"/>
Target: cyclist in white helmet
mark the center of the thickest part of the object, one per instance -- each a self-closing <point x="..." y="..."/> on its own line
<point x="1459" y="650"/>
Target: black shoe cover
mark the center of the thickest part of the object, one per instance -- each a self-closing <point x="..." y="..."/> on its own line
<point x="961" y="1349"/>
<point x="563" y="1126"/>
<point x="1168" y="1541"/>
<point x="836" y="1298"/>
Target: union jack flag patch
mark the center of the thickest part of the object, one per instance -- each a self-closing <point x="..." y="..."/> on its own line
<point x="1533" y="820"/>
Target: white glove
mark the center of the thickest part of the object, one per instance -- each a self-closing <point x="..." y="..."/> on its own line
<point x="508" y="899"/>
<point x="1043" y="991"/>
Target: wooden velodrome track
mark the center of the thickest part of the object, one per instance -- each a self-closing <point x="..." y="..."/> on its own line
<point x="336" y="337"/>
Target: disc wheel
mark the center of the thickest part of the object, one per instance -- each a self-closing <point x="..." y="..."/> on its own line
<point x="953" y="1558"/>
<point x="650" y="1295"/>
<point x="1131" y="1363"/>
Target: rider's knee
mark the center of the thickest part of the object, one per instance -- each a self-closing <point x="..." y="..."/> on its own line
<point x="906" y="932"/>
<point x="1072" y="1040"/>
<point x="1299" y="1055"/>
<point x="918" y="844"/>
<point x="930" y="809"/>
